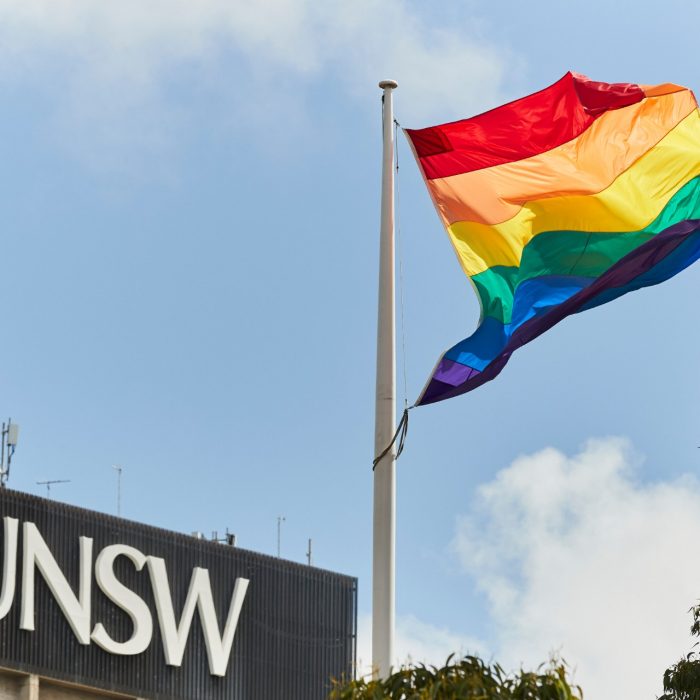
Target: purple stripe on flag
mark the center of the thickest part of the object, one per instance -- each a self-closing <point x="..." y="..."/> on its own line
<point x="453" y="373"/>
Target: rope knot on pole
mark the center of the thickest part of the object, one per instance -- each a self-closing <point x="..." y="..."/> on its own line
<point x="400" y="435"/>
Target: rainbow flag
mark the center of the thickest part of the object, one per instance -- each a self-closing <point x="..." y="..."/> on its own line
<point x="558" y="202"/>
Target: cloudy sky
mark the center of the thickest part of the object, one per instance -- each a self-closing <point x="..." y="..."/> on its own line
<point x="190" y="200"/>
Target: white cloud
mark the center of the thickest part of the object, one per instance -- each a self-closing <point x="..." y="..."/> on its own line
<point x="109" y="67"/>
<point x="574" y="555"/>
<point x="415" y="641"/>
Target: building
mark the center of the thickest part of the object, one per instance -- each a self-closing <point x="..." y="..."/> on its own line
<point x="93" y="606"/>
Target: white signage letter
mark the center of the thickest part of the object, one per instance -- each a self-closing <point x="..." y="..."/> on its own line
<point x="126" y="599"/>
<point x="9" y="567"/>
<point x="77" y="610"/>
<point x="198" y="596"/>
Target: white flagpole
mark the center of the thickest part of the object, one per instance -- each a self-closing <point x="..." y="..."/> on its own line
<point x="384" y="532"/>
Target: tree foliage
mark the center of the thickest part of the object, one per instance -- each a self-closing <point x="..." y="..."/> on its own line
<point x="469" y="678"/>
<point x="682" y="680"/>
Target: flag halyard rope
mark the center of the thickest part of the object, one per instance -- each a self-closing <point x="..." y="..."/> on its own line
<point x="399" y="435"/>
<point x="402" y="428"/>
<point x="399" y="240"/>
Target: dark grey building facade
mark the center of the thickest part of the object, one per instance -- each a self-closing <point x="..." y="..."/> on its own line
<point x="98" y="602"/>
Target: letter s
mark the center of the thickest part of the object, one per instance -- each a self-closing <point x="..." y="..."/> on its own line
<point x="126" y="599"/>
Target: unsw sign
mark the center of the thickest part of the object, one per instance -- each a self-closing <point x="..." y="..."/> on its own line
<point x="36" y="556"/>
<point x="122" y="606"/>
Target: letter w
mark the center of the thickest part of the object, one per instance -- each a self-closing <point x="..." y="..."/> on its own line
<point x="199" y="596"/>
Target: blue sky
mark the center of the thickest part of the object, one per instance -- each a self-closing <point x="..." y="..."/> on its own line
<point x="190" y="205"/>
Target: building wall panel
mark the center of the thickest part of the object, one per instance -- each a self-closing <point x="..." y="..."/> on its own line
<point x="297" y="627"/>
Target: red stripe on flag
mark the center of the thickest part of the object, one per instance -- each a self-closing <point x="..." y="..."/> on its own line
<point x="519" y="129"/>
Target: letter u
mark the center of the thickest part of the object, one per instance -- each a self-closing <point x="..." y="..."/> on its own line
<point x="9" y="566"/>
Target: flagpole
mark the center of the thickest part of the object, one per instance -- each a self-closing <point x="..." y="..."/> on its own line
<point x="384" y="531"/>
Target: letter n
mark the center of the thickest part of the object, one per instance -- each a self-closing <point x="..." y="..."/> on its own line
<point x="36" y="554"/>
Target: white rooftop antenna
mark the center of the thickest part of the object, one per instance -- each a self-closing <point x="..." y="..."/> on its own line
<point x="119" y="470"/>
<point x="280" y="520"/>
<point x="52" y="481"/>
<point x="10" y="435"/>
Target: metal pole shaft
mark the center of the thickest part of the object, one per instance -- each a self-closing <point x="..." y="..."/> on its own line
<point x="384" y="531"/>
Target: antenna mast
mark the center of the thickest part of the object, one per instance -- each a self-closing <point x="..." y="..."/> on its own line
<point x="119" y="470"/>
<point x="50" y="482"/>
<point x="10" y="434"/>
<point x="280" y="520"/>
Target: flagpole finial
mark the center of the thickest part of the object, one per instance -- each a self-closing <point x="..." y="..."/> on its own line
<point x="388" y="84"/>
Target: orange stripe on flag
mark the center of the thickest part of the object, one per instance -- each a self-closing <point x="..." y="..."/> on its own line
<point x="586" y="165"/>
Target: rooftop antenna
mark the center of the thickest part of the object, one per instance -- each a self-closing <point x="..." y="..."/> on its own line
<point x="280" y="520"/>
<point x="119" y="470"/>
<point x="229" y="538"/>
<point x="52" y="481"/>
<point x="308" y="553"/>
<point x="10" y="434"/>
